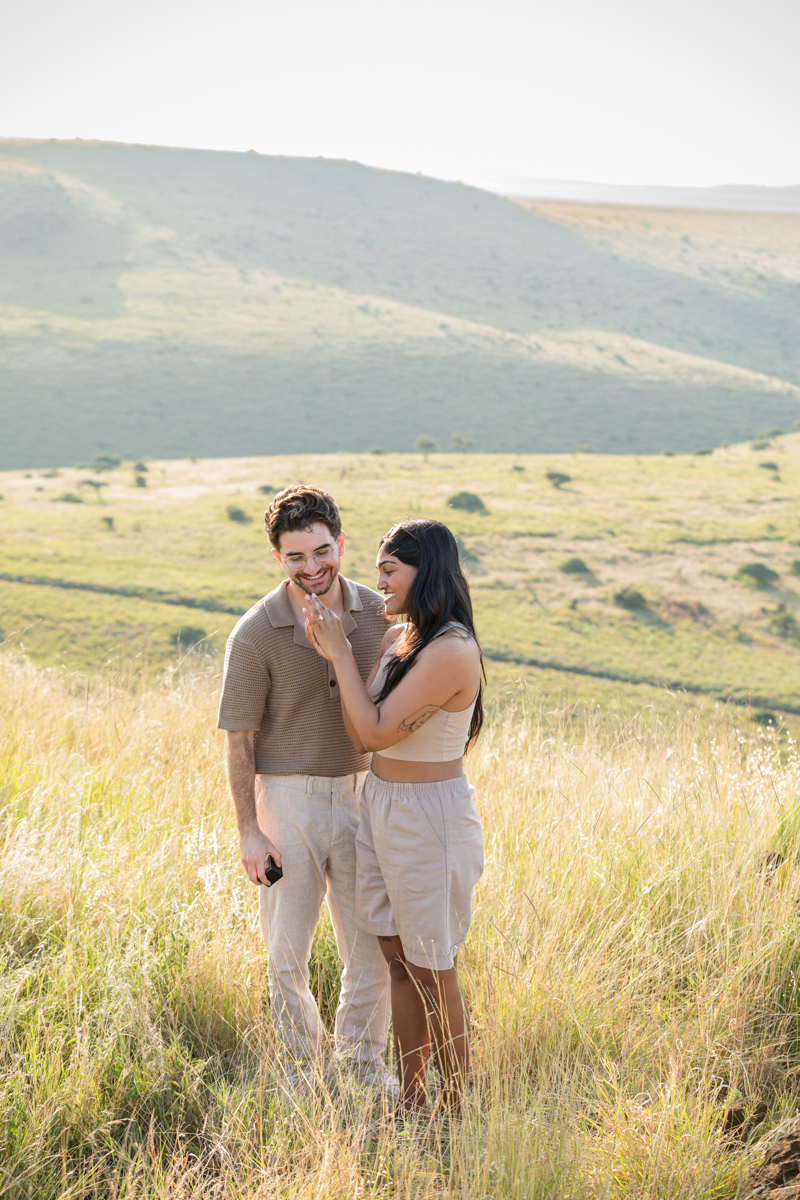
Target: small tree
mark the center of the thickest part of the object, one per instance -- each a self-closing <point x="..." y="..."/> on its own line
<point x="94" y="484"/>
<point x="140" y="481"/>
<point x="426" y="445"/>
<point x="102" y="462"/>
<point x="140" y="467"/>
<point x="574" y="566"/>
<point x="460" y="445"/>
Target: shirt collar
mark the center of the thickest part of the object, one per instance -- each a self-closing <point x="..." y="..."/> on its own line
<point x="281" y="616"/>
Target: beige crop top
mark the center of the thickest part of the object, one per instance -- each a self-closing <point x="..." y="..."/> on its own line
<point x="443" y="736"/>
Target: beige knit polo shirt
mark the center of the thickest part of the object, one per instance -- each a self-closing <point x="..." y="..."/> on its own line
<point x="276" y="683"/>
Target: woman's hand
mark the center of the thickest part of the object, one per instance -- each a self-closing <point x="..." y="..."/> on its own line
<point x="324" y="630"/>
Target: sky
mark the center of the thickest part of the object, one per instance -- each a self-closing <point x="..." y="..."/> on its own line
<point x="685" y="93"/>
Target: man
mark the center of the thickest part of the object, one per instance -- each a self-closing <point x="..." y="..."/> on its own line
<point x="296" y="782"/>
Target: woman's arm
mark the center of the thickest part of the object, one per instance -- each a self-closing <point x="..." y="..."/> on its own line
<point x="389" y="637"/>
<point x="445" y="670"/>
<point x="350" y="730"/>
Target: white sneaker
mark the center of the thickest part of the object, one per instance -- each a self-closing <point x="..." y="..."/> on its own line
<point x="298" y="1079"/>
<point x="374" y="1075"/>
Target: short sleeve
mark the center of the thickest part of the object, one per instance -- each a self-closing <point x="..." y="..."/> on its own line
<point x="245" y="684"/>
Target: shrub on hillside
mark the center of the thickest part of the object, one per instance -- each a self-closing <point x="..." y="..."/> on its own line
<point x="794" y="566"/>
<point x="467" y="502"/>
<point x="757" y="573"/>
<point x="237" y="514"/>
<point x="574" y="566"/>
<point x="558" y="478"/>
<point x="377" y="450"/>
<point x="140" y="481"/>
<point x="762" y="716"/>
<point x="769" y="466"/>
<point x="266" y="489"/>
<point x="188" y="636"/>
<point x="466" y="556"/>
<point x="630" y="598"/>
<point x="140" y="467"/>
<point x="69" y="498"/>
<point x="460" y="445"/>
<point x="703" y="450"/>
<point x="784" y="623"/>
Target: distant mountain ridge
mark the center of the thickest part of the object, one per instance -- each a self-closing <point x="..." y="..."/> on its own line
<point x="169" y="302"/>
<point x="734" y="197"/>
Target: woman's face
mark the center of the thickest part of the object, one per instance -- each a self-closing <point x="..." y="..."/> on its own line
<point x="394" y="580"/>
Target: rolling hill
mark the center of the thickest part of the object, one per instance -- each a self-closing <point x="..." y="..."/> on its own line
<point x="168" y="302"/>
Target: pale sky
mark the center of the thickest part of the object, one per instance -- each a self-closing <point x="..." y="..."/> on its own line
<point x="690" y="92"/>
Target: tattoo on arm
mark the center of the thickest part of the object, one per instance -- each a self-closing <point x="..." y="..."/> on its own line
<point x="417" y="719"/>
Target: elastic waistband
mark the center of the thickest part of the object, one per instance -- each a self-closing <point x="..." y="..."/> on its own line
<point x="437" y="787"/>
<point x="319" y="783"/>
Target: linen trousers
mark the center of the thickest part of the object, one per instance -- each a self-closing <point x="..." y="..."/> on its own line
<point x="312" y="822"/>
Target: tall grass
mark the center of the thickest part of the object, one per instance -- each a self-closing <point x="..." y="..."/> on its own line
<point x="632" y="969"/>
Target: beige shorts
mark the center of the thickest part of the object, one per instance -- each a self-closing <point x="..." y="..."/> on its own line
<point x="419" y="854"/>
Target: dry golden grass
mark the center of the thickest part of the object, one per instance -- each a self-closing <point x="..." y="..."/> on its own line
<point x="631" y="971"/>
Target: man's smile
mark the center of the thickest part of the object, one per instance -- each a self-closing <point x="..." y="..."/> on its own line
<point x="312" y="581"/>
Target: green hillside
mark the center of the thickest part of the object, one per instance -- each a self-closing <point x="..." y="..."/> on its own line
<point x="169" y="302"/>
<point x="624" y="574"/>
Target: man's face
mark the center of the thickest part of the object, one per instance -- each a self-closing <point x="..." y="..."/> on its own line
<point x="310" y="557"/>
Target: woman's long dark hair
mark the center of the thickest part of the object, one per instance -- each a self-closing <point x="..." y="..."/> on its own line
<point x="438" y="594"/>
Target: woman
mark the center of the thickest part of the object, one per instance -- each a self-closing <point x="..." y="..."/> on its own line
<point x="419" y="843"/>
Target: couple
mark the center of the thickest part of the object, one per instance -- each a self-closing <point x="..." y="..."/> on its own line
<point x="314" y="682"/>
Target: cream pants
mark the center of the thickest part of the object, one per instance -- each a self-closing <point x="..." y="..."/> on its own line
<point x="312" y="820"/>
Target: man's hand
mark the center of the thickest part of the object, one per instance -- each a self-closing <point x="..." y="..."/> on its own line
<point x="254" y="847"/>
<point x="240" y="763"/>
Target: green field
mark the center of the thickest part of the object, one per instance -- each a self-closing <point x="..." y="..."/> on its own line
<point x="121" y="583"/>
<point x="631" y="973"/>
<point x="327" y="306"/>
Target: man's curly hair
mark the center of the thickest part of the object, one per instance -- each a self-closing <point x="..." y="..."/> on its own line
<point x="300" y="507"/>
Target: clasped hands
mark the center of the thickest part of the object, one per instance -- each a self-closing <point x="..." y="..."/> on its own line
<point x="324" y="630"/>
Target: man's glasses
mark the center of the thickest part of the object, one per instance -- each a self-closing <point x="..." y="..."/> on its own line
<point x="301" y="560"/>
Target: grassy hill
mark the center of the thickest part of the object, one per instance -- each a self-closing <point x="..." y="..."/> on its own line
<point x="169" y="302"/>
<point x="623" y="578"/>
